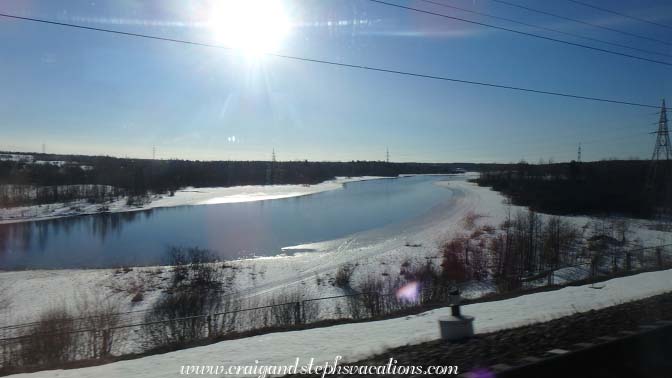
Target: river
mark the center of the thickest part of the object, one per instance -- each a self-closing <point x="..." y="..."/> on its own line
<point x="231" y="231"/>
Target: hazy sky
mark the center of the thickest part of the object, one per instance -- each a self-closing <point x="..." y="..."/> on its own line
<point x="95" y="93"/>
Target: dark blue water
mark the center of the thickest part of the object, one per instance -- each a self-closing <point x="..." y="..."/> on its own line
<point x="230" y="230"/>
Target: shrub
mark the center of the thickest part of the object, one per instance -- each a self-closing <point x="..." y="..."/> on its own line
<point x="469" y="220"/>
<point x="183" y="313"/>
<point x="138" y="297"/>
<point x="286" y="309"/>
<point x="344" y="275"/>
<point x="137" y="201"/>
<point x="203" y="272"/>
<point x="477" y="233"/>
<point x="194" y="267"/>
<point x="453" y="265"/>
<point x="372" y="288"/>
<point x="50" y="341"/>
<point x="100" y="314"/>
<point x="291" y="307"/>
<point x="5" y="300"/>
<point x="356" y="307"/>
<point x="171" y="311"/>
<point x="488" y="228"/>
<point x="177" y="258"/>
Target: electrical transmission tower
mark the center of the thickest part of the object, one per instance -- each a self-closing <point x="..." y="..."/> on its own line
<point x="387" y="154"/>
<point x="657" y="182"/>
<point x="270" y="170"/>
<point x="578" y="155"/>
<point x="662" y="147"/>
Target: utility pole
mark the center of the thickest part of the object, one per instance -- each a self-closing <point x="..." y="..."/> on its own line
<point x="153" y="152"/>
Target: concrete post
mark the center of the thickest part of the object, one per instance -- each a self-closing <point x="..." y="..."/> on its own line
<point x="457" y="326"/>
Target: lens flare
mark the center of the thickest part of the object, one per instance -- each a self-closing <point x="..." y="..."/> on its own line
<point x="254" y="26"/>
<point x="482" y="373"/>
<point x="409" y="292"/>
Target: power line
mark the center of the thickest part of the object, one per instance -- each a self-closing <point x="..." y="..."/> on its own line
<point x="620" y="14"/>
<point x="545" y="28"/>
<point x="473" y="149"/>
<point x="581" y="22"/>
<point x="570" y="141"/>
<point x="522" y="33"/>
<point x="339" y="64"/>
<point x="220" y="313"/>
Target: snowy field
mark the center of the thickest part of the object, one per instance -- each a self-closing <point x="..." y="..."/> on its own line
<point x="187" y="196"/>
<point x="360" y="340"/>
<point x="306" y="268"/>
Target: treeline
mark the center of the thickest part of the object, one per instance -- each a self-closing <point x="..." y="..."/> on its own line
<point x="139" y="177"/>
<point x="598" y="188"/>
<point x="23" y="195"/>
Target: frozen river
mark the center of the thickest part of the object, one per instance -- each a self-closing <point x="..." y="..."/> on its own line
<point x="233" y="230"/>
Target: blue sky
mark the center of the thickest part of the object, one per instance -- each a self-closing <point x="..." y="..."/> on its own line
<point x="95" y="93"/>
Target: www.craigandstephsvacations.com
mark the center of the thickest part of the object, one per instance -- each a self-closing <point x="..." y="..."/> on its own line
<point x="314" y="368"/>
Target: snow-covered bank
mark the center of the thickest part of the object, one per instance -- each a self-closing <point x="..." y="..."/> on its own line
<point x="360" y="340"/>
<point x="211" y="196"/>
<point x="377" y="252"/>
<point x="184" y="197"/>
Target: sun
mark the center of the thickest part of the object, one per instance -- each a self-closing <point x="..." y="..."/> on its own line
<point x="253" y="26"/>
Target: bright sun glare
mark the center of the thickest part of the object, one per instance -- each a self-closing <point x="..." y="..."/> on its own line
<point x="254" y="26"/>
